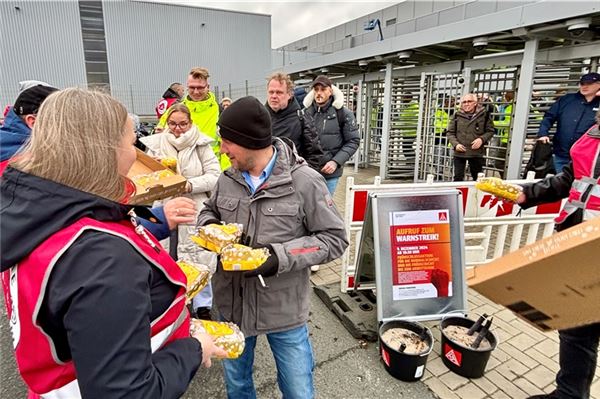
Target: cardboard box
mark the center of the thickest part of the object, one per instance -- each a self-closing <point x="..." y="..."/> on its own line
<point x="167" y="187"/>
<point x="553" y="283"/>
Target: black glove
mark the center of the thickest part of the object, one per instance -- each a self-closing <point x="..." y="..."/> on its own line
<point x="267" y="269"/>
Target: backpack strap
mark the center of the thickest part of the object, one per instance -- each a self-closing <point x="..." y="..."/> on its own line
<point x="339" y="112"/>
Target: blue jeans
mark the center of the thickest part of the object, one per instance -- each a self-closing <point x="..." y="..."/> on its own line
<point x="294" y="360"/>
<point x="560" y="163"/>
<point x="332" y="184"/>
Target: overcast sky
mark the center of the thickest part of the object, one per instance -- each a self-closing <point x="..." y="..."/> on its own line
<point x="291" y="21"/>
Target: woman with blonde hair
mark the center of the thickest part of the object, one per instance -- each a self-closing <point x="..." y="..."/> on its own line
<point x="97" y="307"/>
<point x="196" y="162"/>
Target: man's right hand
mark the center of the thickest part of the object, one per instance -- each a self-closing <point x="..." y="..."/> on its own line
<point x="544" y="139"/>
<point x="460" y="148"/>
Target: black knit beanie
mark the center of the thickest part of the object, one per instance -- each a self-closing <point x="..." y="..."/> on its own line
<point x="30" y="100"/>
<point x="246" y="122"/>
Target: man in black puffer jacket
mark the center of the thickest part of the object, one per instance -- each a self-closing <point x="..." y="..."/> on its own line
<point x="290" y="121"/>
<point x="336" y="125"/>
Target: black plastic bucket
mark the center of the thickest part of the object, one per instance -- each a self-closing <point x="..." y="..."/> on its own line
<point x="405" y="366"/>
<point x="465" y="361"/>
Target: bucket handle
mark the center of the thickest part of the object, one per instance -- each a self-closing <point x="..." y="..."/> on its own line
<point x="464" y="312"/>
<point x="432" y="341"/>
<point x="448" y="314"/>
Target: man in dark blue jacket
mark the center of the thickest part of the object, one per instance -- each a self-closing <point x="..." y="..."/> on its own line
<point x="574" y="114"/>
<point x="16" y="131"/>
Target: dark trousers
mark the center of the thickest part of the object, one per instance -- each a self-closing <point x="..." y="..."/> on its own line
<point x="577" y="358"/>
<point x="460" y="164"/>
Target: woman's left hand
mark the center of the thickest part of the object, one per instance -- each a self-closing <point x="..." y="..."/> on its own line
<point x="180" y="210"/>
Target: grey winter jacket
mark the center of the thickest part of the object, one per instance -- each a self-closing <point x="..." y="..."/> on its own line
<point x="338" y="146"/>
<point x="294" y="213"/>
<point x="463" y="129"/>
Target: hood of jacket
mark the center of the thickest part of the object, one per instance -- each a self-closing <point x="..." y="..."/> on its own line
<point x="170" y="93"/>
<point x="34" y="208"/>
<point x="202" y="105"/>
<point x="13" y="134"/>
<point x="338" y="98"/>
<point x="292" y="108"/>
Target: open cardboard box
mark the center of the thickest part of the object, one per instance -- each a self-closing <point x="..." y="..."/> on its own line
<point x="167" y="187"/>
<point x="553" y="283"/>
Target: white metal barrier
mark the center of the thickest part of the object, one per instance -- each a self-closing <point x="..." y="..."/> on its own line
<point x="493" y="227"/>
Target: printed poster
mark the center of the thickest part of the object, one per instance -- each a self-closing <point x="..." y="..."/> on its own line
<point x="421" y="254"/>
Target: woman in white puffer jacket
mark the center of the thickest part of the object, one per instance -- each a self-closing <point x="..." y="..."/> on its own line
<point x="196" y="162"/>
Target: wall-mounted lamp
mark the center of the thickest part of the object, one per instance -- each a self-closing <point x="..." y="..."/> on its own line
<point x="404" y="55"/>
<point x="324" y="70"/>
<point x="363" y="63"/>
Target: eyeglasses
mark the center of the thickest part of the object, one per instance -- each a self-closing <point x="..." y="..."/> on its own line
<point x="468" y="101"/>
<point x="197" y="88"/>
<point x="182" y="125"/>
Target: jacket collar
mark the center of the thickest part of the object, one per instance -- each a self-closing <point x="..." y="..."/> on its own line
<point x="280" y="180"/>
<point x="292" y="107"/>
<point x="34" y="208"/>
<point x="13" y="134"/>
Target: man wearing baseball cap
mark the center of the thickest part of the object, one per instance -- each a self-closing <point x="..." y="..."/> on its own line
<point x="284" y="206"/>
<point x="21" y="117"/>
<point x="336" y="125"/>
<point x="574" y="114"/>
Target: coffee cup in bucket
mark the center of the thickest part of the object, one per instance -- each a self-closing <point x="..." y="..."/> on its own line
<point x="406" y="356"/>
<point x="462" y="358"/>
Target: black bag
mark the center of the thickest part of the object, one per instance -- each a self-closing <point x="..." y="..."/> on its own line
<point x="541" y="160"/>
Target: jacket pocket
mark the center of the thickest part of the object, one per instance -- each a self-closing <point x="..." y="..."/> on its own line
<point x="280" y="304"/>
<point x="227" y="208"/>
<point x="281" y="222"/>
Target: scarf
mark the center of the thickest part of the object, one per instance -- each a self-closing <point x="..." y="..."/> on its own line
<point x="183" y="148"/>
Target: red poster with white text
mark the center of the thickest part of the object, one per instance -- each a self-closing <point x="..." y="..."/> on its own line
<point x="421" y="254"/>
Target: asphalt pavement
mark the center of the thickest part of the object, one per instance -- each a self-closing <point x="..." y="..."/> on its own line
<point x="345" y="367"/>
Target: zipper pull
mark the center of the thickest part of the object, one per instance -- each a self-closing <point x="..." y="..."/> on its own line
<point x="139" y="229"/>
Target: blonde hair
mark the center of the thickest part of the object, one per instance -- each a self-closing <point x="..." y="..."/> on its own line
<point x="282" y="78"/>
<point x="74" y="142"/>
<point x="179" y="107"/>
<point x="199" y="73"/>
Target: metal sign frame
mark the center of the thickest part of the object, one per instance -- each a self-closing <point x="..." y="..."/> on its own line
<point x="375" y="261"/>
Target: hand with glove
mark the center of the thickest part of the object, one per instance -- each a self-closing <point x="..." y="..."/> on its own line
<point x="269" y="268"/>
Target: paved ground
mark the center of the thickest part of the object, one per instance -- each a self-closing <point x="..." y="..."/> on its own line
<point x="523" y="364"/>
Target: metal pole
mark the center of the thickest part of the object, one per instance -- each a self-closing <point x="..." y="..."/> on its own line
<point x="229" y="91"/>
<point x="418" y="148"/>
<point x="131" y="96"/>
<point x="359" y="117"/>
<point x="521" y="114"/>
<point x="385" y="130"/>
<point x="246" y="87"/>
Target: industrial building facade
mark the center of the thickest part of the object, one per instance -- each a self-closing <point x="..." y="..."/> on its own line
<point x="134" y="49"/>
<point x="423" y="55"/>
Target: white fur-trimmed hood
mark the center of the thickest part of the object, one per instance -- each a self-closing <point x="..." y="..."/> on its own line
<point x="338" y="98"/>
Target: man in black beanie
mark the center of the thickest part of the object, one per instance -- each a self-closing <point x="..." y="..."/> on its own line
<point x="284" y="206"/>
